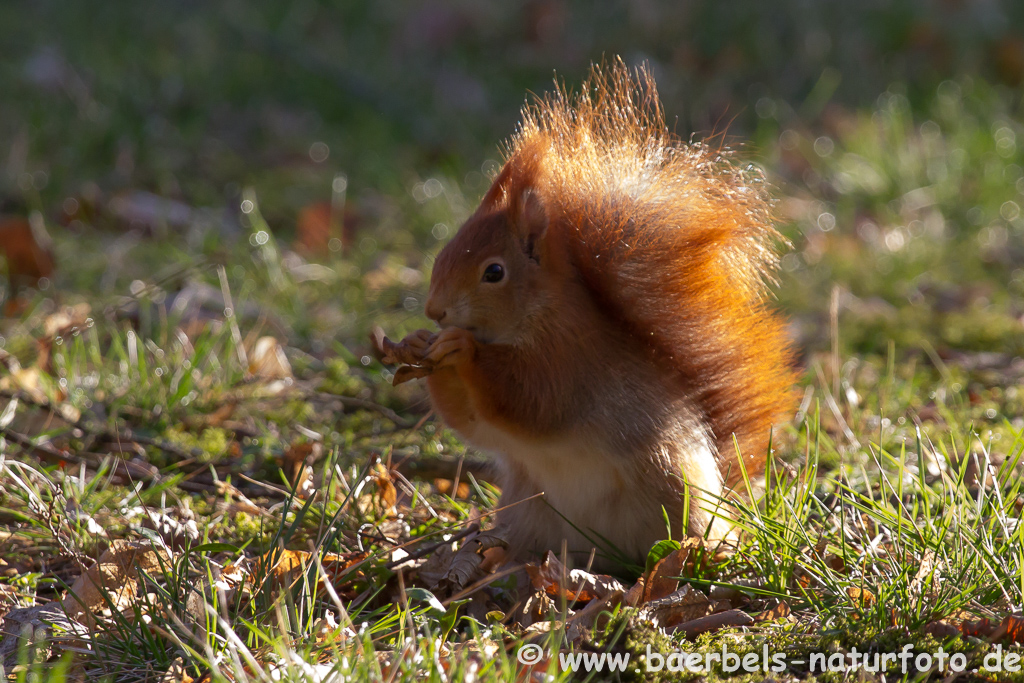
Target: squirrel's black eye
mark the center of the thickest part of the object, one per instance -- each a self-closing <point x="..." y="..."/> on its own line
<point x="493" y="273"/>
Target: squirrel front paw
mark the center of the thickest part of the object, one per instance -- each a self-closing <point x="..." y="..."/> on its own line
<point x="452" y="346"/>
<point x="408" y="353"/>
<point x="417" y="344"/>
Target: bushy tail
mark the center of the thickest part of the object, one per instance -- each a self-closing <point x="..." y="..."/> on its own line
<point x="674" y="240"/>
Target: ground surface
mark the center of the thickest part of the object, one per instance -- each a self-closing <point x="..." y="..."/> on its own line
<point x="233" y="193"/>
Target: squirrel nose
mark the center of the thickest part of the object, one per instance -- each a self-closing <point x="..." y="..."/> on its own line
<point x="434" y="311"/>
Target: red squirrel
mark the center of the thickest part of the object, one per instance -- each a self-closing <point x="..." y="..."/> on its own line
<point x="604" y="329"/>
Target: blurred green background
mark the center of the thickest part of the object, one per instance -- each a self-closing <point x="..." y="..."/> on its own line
<point x="205" y="206"/>
<point x="158" y="141"/>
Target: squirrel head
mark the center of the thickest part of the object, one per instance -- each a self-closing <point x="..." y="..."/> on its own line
<point x="498" y="272"/>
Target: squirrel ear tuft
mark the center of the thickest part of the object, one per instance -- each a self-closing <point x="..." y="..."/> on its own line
<point x="531" y="222"/>
<point x="499" y="188"/>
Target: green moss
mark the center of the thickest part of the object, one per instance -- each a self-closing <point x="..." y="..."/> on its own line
<point x="833" y="646"/>
<point x="240" y="528"/>
<point x="340" y="380"/>
<point x="212" y="443"/>
<point x="298" y="410"/>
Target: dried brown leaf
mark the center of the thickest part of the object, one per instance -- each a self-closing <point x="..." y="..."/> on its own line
<point x="685" y="604"/>
<point x="861" y="596"/>
<point x="408" y="373"/>
<point x="1010" y="630"/>
<point x="982" y="628"/>
<point x="470" y="560"/>
<point x="684" y="562"/>
<point x="836" y="563"/>
<point x="595" y="614"/>
<point x="437" y="564"/>
<point x="284" y="567"/>
<point x="1014" y="625"/>
<point x="408" y="357"/>
<point x="635" y="594"/>
<point x="297" y="463"/>
<point x="386" y="496"/>
<point x="176" y="673"/>
<point x="267" y="360"/>
<point x="35" y="625"/>
<point x="576" y="585"/>
<point x="928" y="568"/>
<point x="780" y="610"/>
<point x="115" y="577"/>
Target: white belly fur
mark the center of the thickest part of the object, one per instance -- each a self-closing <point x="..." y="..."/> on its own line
<point x="609" y="497"/>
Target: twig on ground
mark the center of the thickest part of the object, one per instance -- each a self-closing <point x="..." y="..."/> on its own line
<point x="276" y="490"/>
<point x="429" y="468"/>
<point x="833" y="407"/>
<point x="133" y="470"/>
<point x="347" y="402"/>
<point x="423" y="552"/>
<point x="363" y="404"/>
<point x="105" y="434"/>
<point x="125" y="471"/>
<point x="483" y="583"/>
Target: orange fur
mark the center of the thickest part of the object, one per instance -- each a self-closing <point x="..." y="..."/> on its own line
<point x="631" y="334"/>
